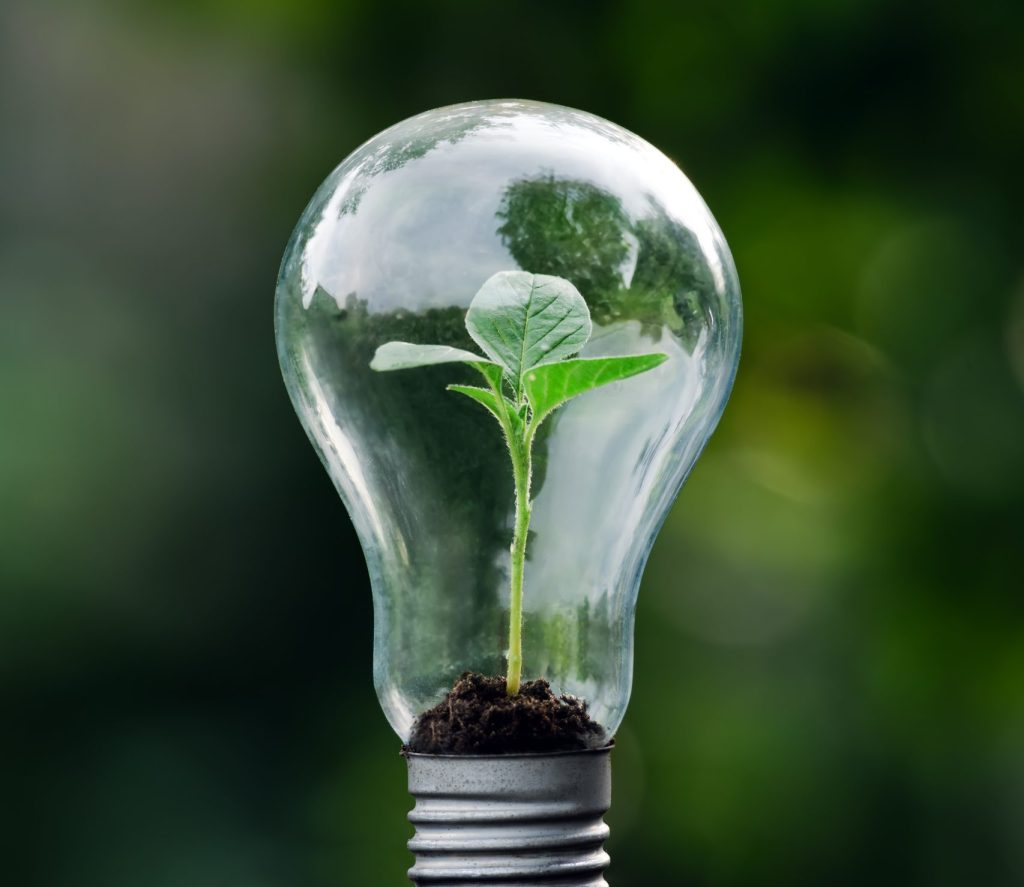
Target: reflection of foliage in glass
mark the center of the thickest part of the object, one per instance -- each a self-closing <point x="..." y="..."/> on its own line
<point x="572" y="643"/>
<point x="671" y="281"/>
<point x="573" y="229"/>
<point x="567" y="228"/>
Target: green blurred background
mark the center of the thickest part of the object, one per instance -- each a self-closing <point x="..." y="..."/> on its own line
<point x="830" y="671"/>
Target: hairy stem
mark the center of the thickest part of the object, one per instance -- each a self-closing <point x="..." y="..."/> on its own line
<point x="519" y="437"/>
<point x="521" y="469"/>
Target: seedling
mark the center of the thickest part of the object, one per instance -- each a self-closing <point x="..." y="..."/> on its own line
<point x="529" y="326"/>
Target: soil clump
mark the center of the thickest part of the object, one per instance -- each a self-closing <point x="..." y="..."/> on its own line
<point x="478" y="717"/>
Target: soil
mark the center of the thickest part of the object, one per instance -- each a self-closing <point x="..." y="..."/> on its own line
<point x="478" y="717"/>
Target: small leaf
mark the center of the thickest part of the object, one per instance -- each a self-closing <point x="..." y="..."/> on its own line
<point x="550" y="385"/>
<point x="405" y="355"/>
<point x="490" y="397"/>
<point x="521" y="320"/>
<point x="481" y="395"/>
<point x="490" y="371"/>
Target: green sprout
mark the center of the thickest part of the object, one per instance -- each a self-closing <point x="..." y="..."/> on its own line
<point x="530" y="326"/>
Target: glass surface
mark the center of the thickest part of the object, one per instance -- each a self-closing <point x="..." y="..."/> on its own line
<point x="393" y="246"/>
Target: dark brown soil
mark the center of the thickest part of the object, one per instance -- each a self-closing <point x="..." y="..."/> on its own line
<point x="478" y="717"/>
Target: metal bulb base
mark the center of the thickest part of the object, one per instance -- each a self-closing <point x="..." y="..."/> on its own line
<point x="510" y="819"/>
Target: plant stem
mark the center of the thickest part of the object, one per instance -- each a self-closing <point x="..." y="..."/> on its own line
<point x="519" y="435"/>
<point x="521" y="468"/>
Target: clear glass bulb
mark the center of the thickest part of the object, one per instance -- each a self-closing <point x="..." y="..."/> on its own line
<point x="393" y="246"/>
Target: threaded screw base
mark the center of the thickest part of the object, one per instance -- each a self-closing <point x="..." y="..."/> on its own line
<point x="512" y="819"/>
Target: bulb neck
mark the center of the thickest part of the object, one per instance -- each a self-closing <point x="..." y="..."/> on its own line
<point x="511" y="819"/>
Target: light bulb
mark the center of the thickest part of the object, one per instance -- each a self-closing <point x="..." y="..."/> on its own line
<point x="393" y="247"/>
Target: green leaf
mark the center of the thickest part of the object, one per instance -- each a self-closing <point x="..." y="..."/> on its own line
<point x="521" y="320"/>
<point x="550" y="385"/>
<point x="491" y="397"/>
<point x="481" y="395"/>
<point x="404" y="355"/>
<point x="491" y="372"/>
